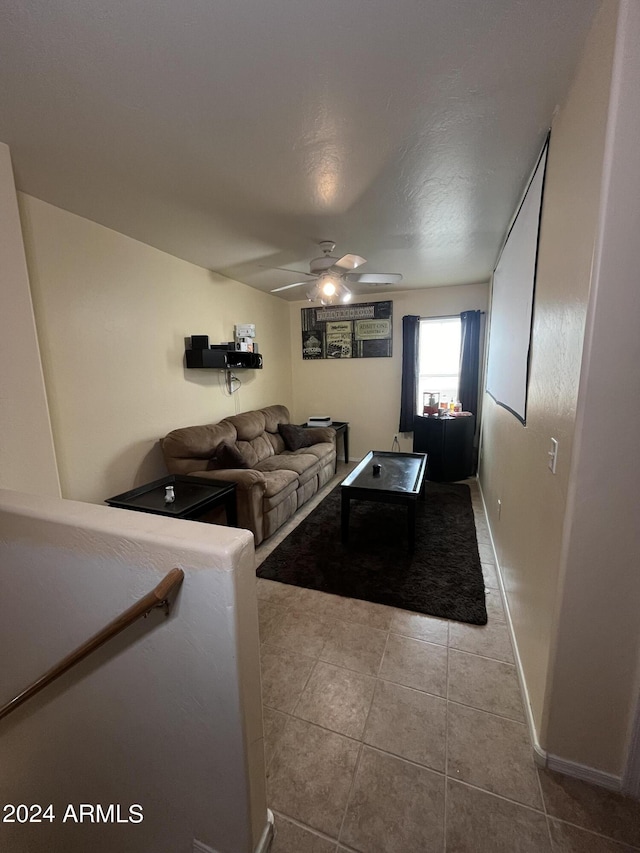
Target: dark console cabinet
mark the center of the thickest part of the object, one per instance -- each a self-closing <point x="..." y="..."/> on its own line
<point x="449" y="443"/>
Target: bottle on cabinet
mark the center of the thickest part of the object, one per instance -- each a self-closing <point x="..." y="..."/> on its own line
<point x="430" y="403"/>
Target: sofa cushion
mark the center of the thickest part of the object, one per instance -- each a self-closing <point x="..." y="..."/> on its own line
<point x="228" y="456"/>
<point x="320" y="451"/>
<point x="245" y="480"/>
<point x="274" y="517"/>
<point x="278" y="484"/>
<point x="295" y="437"/>
<point x="304" y="466"/>
<point x="256" y="450"/>
<point x="248" y="425"/>
<point x="274" y="416"/>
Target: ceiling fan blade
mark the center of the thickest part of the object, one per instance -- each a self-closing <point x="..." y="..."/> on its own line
<point x="289" y="286"/>
<point x="374" y="278"/>
<point x="348" y="262"/>
<point x="286" y="269"/>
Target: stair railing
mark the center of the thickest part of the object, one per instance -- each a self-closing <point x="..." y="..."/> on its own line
<point x="158" y="597"/>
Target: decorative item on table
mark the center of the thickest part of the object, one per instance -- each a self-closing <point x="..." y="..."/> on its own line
<point x="319" y="421"/>
<point x="377" y="468"/>
<point x="430" y="403"/>
<point x="169" y="494"/>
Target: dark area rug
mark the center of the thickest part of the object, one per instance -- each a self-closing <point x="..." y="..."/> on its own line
<point x="442" y="577"/>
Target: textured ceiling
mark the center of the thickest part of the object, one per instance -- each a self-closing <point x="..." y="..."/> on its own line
<point x="239" y="133"/>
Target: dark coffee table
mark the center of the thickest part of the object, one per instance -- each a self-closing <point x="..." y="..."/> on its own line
<point x="195" y="496"/>
<point x="400" y="481"/>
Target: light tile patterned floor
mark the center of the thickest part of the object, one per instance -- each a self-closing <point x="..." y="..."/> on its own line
<point x="393" y="732"/>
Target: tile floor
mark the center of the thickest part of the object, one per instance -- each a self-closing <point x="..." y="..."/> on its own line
<point x="391" y="732"/>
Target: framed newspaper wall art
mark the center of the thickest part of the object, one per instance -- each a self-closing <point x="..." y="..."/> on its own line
<point x="364" y="330"/>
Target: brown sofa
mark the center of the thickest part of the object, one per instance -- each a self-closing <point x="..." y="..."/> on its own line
<point x="260" y="452"/>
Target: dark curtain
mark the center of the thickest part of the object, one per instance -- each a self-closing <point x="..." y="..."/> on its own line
<point x="469" y="360"/>
<point x="409" y="393"/>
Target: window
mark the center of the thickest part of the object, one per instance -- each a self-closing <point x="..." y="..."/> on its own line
<point x="439" y="358"/>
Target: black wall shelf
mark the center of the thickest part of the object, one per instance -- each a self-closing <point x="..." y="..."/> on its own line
<point x="223" y="359"/>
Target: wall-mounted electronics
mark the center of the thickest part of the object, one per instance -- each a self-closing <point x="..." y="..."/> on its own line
<point x="223" y="359"/>
<point x="200" y="341"/>
<point x="244" y="330"/>
<point x="242" y="352"/>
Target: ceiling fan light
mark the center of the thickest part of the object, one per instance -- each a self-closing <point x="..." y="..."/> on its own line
<point x="345" y="294"/>
<point x="313" y="293"/>
<point x="328" y="287"/>
<point x="330" y="299"/>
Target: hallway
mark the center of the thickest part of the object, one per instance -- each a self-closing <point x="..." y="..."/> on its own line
<point x="393" y="732"/>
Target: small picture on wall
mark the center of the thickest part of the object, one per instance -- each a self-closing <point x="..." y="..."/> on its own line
<point x="339" y="339"/>
<point x="348" y="331"/>
<point x="312" y="344"/>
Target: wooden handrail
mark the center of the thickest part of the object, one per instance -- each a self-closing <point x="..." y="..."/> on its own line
<point x="158" y="597"/>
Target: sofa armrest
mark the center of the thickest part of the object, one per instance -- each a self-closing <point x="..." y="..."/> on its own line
<point x="244" y="478"/>
<point x="321" y="434"/>
<point x="250" y="488"/>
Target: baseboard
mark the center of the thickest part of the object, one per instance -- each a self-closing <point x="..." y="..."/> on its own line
<point x="585" y="774"/>
<point x="263" y="844"/>
<point x="539" y="754"/>
<point x="631" y="776"/>
<point x="267" y="835"/>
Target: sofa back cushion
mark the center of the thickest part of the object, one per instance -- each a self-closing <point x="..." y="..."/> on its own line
<point x="250" y="438"/>
<point x="254" y="434"/>
<point x="273" y="417"/>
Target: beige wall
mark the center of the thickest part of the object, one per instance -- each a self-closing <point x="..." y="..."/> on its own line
<point x="594" y="684"/>
<point x="112" y="315"/>
<point x="528" y="534"/>
<point x="366" y="391"/>
<point x="27" y="457"/>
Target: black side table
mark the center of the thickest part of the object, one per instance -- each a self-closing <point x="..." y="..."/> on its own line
<point x="194" y="497"/>
<point x="342" y="429"/>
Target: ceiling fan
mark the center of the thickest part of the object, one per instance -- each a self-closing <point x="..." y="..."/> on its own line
<point x="329" y="276"/>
